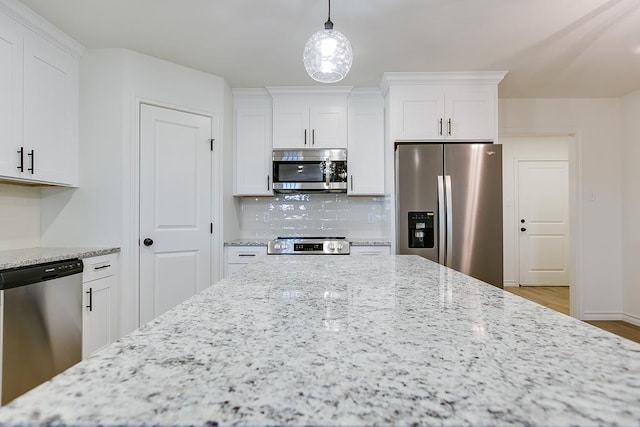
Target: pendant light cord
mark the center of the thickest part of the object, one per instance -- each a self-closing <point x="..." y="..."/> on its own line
<point x="329" y="25"/>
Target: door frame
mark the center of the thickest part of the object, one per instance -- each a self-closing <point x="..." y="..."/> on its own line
<point x="131" y="208"/>
<point x="576" y="303"/>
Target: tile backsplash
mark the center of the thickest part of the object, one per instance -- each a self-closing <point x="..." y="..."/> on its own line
<point x="317" y="214"/>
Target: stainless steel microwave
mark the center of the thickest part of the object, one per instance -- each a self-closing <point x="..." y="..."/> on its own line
<point x="315" y="170"/>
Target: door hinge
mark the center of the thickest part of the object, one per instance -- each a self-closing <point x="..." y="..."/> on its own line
<point x="211" y="141"/>
<point x="211" y="227"/>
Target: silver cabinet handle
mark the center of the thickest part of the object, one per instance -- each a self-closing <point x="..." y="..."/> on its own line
<point x="268" y="183"/>
<point x="449" y="127"/>
<point x="305" y="137"/>
<point x="313" y="137"/>
<point x="246" y="255"/>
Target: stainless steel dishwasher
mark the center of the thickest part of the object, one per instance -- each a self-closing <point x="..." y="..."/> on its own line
<point x="41" y="324"/>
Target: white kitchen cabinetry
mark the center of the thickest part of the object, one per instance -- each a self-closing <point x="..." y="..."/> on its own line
<point x="370" y="250"/>
<point x="366" y="144"/>
<point x="252" y="152"/>
<point x="39" y="85"/>
<point x="305" y="119"/>
<point x="443" y="106"/>
<point x="237" y="257"/>
<point x="100" y="297"/>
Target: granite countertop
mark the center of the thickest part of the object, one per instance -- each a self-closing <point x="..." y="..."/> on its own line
<point x="353" y="242"/>
<point x="311" y="340"/>
<point x="30" y="256"/>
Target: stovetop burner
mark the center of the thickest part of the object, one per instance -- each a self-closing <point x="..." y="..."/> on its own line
<point x="304" y="245"/>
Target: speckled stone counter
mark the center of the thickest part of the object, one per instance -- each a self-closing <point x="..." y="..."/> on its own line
<point x="332" y="340"/>
<point x="30" y="256"/>
<point x="247" y="242"/>
<point x="264" y="242"/>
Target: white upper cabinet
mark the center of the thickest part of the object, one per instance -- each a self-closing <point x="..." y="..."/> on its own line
<point x="305" y="118"/>
<point x="252" y="154"/>
<point x="39" y="87"/>
<point x="366" y="145"/>
<point x="443" y="106"/>
<point x="10" y="97"/>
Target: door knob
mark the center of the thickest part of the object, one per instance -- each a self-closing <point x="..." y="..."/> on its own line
<point x="523" y="229"/>
<point x="148" y="242"/>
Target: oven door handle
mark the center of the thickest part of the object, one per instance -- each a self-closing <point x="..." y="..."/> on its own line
<point x="327" y="173"/>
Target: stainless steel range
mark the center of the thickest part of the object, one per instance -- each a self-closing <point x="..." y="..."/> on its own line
<point x="308" y="246"/>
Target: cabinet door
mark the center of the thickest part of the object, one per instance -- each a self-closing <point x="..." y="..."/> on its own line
<point x="366" y="147"/>
<point x="470" y="113"/>
<point x="328" y="123"/>
<point x="50" y="112"/>
<point x="253" y="152"/>
<point x="291" y="122"/>
<point x="98" y="321"/>
<point x="417" y="113"/>
<point x="10" y="97"/>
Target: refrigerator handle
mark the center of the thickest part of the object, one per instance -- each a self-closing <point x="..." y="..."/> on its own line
<point x="442" y="220"/>
<point x="449" y="204"/>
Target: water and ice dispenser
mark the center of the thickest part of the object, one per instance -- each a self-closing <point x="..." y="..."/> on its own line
<point x="421" y="234"/>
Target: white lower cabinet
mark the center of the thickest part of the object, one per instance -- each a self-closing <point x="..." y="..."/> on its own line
<point x="236" y="257"/>
<point x="370" y="250"/>
<point x="100" y="299"/>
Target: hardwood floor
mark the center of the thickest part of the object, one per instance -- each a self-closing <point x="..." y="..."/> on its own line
<point x="557" y="298"/>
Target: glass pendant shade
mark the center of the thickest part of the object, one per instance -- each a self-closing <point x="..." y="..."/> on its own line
<point x="327" y="54"/>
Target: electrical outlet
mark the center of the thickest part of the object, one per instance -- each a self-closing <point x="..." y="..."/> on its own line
<point x="370" y="218"/>
<point x="265" y="217"/>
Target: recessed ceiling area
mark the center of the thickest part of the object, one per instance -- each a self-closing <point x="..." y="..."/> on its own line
<point x="551" y="48"/>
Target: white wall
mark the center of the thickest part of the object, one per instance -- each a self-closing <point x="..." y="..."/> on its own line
<point x="597" y="127"/>
<point x="19" y="216"/>
<point x="104" y="210"/>
<point x="631" y="205"/>
<point x="515" y="149"/>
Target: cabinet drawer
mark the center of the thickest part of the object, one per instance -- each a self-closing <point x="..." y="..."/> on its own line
<point x="99" y="267"/>
<point x="370" y="250"/>
<point x="245" y="254"/>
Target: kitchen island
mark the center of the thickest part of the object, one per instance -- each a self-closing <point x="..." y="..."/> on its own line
<point x="340" y="340"/>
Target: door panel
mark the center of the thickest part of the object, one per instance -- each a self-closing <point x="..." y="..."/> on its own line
<point x="417" y="171"/>
<point x="175" y="208"/>
<point x="543" y="189"/>
<point x="476" y="214"/>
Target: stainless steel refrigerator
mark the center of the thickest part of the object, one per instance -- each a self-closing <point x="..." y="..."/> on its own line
<point x="449" y="206"/>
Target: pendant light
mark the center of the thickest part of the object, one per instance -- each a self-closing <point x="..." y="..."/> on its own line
<point x="327" y="54"/>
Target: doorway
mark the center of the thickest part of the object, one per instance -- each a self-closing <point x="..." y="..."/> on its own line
<point x="175" y="230"/>
<point x="536" y="189"/>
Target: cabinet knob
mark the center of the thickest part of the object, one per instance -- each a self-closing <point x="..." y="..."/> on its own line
<point x="148" y="242"/>
<point x="523" y="229"/>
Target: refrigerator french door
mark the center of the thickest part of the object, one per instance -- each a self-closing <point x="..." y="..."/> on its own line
<point x="449" y="206"/>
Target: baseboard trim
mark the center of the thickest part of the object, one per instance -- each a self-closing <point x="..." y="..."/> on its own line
<point x="602" y="315"/>
<point x="630" y="318"/>
<point x="511" y="283"/>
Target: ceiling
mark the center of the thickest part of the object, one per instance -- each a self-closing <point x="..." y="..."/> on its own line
<point x="551" y="48"/>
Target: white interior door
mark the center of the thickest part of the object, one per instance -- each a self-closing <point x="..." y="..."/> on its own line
<point x="543" y="208"/>
<point x="175" y="208"/>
